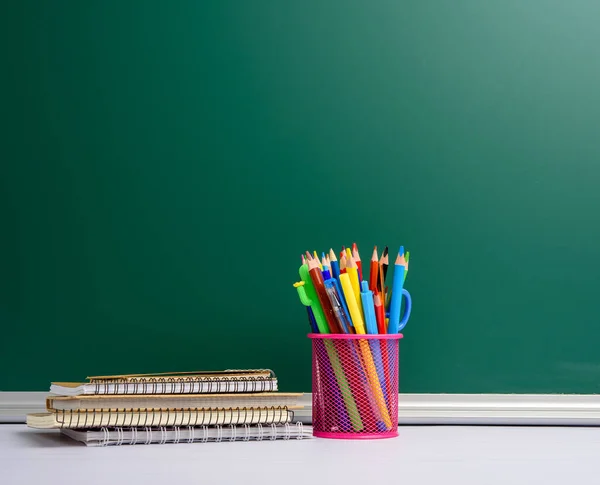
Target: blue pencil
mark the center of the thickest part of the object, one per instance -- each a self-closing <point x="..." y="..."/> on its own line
<point x="335" y="266"/>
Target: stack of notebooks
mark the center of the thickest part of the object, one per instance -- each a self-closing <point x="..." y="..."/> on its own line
<point x="182" y="407"/>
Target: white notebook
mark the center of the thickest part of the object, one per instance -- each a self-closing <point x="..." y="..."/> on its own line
<point x="188" y="434"/>
<point x="199" y="382"/>
<point x="174" y="401"/>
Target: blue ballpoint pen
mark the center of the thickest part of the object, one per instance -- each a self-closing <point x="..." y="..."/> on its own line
<point x="336" y="302"/>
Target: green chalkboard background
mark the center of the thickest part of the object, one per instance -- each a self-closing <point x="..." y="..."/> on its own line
<point x="163" y="164"/>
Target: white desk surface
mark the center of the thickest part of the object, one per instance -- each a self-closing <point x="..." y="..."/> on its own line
<point x="421" y="455"/>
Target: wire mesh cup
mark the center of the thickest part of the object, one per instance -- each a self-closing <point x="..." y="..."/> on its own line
<point x="355" y="385"/>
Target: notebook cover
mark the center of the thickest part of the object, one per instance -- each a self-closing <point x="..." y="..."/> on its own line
<point x="230" y="373"/>
<point x="50" y="400"/>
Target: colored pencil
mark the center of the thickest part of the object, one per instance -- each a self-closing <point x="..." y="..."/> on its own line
<point x="373" y="273"/>
<point x="335" y="266"/>
<point x="381" y="325"/>
<point x="379" y="313"/>
<point x="317" y="258"/>
<point x="383" y="264"/>
<point x="352" y="270"/>
<point x="343" y="262"/>
<point x="356" y="256"/>
<point x="386" y="262"/>
<point x="325" y="267"/>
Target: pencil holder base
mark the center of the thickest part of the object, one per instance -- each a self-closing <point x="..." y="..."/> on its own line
<point x="355" y="386"/>
<point x="355" y="436"/>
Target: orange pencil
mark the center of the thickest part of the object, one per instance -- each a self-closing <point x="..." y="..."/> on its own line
<point x="357" y="260"/>
<point x="373" y="272"/>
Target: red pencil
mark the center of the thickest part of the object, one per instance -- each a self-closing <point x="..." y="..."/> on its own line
<point x="373" y="271"/>
<point x="380" y="316"/>
<point x="379" y="313"/>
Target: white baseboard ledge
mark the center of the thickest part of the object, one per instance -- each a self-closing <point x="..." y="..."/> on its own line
<point x="14" y="406"/>
<point x="419" y="409"/>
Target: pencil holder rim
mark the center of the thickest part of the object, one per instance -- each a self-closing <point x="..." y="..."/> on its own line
<point x="353" y="336"/>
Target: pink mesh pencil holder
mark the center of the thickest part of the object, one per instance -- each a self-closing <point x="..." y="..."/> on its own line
<point x="355" y="385"/>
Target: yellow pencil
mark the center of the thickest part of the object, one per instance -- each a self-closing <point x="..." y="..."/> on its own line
<point x="352" y="270"/>
<point x="355" y="313"/>
<point x="359" y="325"/>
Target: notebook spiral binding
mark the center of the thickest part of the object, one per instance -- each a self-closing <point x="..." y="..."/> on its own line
<point x="147" y="417"/>
<point x="174" y="385"/>
<point x="200" y="434"/>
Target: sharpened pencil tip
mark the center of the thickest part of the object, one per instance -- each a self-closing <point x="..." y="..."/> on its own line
<point x="401" y="251"/>
<point x="385" y="251"/>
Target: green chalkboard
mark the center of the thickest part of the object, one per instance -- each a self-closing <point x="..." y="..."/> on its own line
<point x="163" y="164"/>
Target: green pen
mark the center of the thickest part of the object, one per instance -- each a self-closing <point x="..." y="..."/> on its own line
<point x="308" y="292"/>
<point x="308" y="297"/>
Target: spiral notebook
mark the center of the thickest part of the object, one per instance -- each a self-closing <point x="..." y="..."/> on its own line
<point x="188" y="434"/>
<point x="199" y="382"/>
<point x="98" y="418"/>
<point x="176" y="401"/>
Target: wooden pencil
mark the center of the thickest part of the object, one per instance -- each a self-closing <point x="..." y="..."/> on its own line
<point x="373" y="271"/>
<point x="352" y="270"/>
<point x="343" y="263"/>
<point x="383" y="264"/>
<point x="356" y="256"/>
